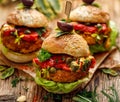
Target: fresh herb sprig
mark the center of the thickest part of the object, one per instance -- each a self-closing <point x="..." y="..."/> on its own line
<point x="92" y="96"/>
<point x="6" y="72"/>
<point x="109" y="71"/>
<point x="86" y="96"/>
<point x="113" y="96"/>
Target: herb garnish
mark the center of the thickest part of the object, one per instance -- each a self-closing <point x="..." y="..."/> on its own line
<point x="60" y="33"/>
<point x="15" y="81"/>
<point x="110" y="71"/>
<point x="86" y="96"/>
<point x="18" y="38"/>
<point x="44" y="55"/>
<point x="86" y="65"/>
<point x="40" y="31"/>
<point x="7" y="73"/>
<point x="113" y="96"/>
<point x="92" y="96"/>
<point x="55" y="97"/>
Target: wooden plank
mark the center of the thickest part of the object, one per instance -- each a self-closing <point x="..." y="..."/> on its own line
<point x="101" y="80"/>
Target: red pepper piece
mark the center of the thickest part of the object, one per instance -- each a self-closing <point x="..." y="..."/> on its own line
<point x="93" y="62"/>
<point x="84" y="28"/>
<point x="8" y="32"/>
<point x="63" y="66"/>
<point x="104" y="28"/>
<point x="30" y="37"/>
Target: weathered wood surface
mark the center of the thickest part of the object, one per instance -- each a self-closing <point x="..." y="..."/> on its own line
<point x="101" y="80"/>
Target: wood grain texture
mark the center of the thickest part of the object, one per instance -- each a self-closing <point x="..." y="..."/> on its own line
<point x="34" y="91"/>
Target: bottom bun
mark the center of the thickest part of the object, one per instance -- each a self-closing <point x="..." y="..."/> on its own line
<point x="62" y="88"/>
<point x="17" y="57"/>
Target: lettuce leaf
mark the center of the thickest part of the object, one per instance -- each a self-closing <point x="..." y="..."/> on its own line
<point x="113" y="35"/>
<point x="44" y="55"/>
<point x="56" y="87"/>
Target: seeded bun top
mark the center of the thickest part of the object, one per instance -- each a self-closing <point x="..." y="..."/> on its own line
<point x="71" y="44"/>
<point x="89" y="14"/>
<point x="27" y="17"/>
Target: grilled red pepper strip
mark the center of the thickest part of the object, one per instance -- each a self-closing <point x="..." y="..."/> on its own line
<point x="84" y="28"/>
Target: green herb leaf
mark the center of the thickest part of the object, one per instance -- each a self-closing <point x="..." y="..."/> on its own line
<point x="44" y="7"/>
<point x="86" y="64"/>
<point x="7" y="73"/>
<point x="55" y="5"/>
<point x="40" y="31"/>
<point x="96" y="5"/>
<point x="86" y="96"/>
<point x="20" y="6"/>
<point x="15" y="81"/>
<point x="61" y="33"/>
<point x="113" y="96"/>
<point x="44" y="55"/>
<point x="2" y="68"/>
<point x="110" y="71"/>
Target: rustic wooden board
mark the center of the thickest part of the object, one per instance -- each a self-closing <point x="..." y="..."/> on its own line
<point x="34" y="91"/>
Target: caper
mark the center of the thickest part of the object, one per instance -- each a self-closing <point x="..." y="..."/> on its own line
<point x="28" y="3"/>
<point x="74" y="66"/>
<point x="52" y="70"/>
<point x="27" y="31"/>
<point x="64" y="26"/>
<point x="69" y="60"/>
<point x="88" y="1"/>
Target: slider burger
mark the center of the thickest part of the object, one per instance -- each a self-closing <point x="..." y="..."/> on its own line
<point x="23" y="34"/>
<point x="64" y="63"/>
<point x="95" y="26"/>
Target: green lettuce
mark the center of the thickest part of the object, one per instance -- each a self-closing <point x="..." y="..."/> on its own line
<point x="113" y="35"/>
<point x="56" y="87"/>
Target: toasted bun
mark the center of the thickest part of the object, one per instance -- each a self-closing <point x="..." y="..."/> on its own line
<point x="71" y="44"/>
<point x="27" y="17"/>
<point x="17" y="57"/>
<point x="89" y="14"/>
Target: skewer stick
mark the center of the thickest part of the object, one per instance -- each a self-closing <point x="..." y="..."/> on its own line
<point x="68" y="7"/>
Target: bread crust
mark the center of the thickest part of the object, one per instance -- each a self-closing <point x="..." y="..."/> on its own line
<point x="89" y="14"/>
<point x="27" y="17"/>
<point x="71" y="44"/>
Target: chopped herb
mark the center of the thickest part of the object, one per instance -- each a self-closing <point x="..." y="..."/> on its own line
<point x="94" y="35"/>
<point x="2" y="68"/>
<point x="86" y="65"/>
<point x="27" y="31"/>
<point x="18" y="38"/>
<point x="26" y="89"/>
<point x="7" y="73"/>
<point x="15" y="81"/>
<point x="40" y="31"/>
<point x="44" y="55"/>
<point x="54" y="97"/>
<point x="110" y="71"/>
<point x="96" y="5"/>
<point x="99" y="26"/>
<point x="98" y="37"/>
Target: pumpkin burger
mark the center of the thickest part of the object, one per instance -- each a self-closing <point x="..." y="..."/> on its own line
<point x="64" y="63"/>
<point x="23" y="34"/>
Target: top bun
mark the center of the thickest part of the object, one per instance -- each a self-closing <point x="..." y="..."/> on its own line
<point x="71" y="44"/>
<point x="90" y="14"/>
<point x="27" y="17"/>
